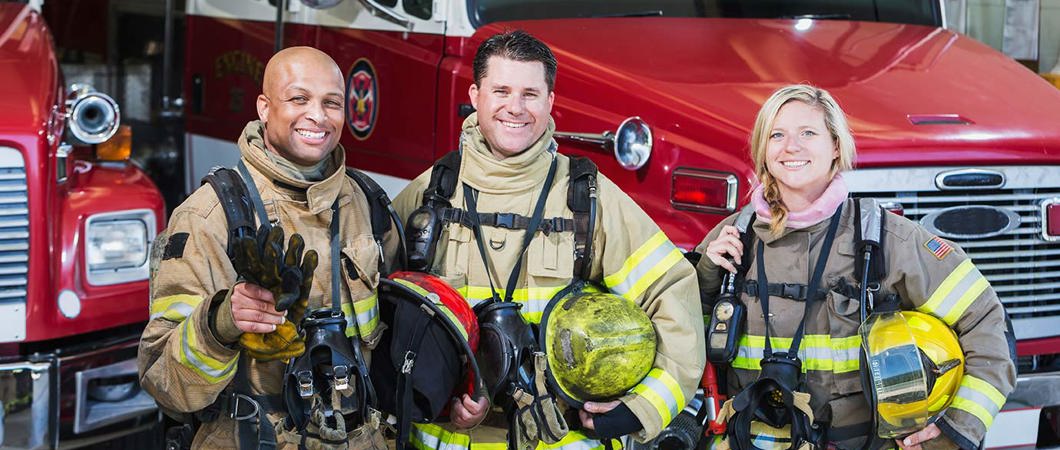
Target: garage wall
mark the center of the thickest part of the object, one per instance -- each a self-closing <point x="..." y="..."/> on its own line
<point x="985" y="21"/>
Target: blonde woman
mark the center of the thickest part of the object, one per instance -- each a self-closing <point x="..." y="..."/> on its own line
<point x="800" y="146"/>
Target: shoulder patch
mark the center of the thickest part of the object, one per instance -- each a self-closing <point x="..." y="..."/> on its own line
<point x="938" y="247"/>
<point x="175" y="246"/>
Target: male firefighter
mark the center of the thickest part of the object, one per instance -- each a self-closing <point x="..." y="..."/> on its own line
<point x="508" y="232"/>
<point x="216" y="346"/>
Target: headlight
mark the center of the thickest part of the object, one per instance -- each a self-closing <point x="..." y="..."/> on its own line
<point x="117" y="246"/>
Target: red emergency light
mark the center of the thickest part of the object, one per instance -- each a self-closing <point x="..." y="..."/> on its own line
<point x="1051" y="219"/>
<point x="703" y="190"/>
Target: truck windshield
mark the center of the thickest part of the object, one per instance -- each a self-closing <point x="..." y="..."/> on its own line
<point x="916" y="12"/>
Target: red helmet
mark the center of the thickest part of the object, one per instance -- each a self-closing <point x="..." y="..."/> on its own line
<point x="426" y="356"/>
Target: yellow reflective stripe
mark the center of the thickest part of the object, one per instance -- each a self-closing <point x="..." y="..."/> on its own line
<point x="817" y="352"/>
<point x="978" y="398"/>
<point x="645" y="266"/>
<point x="174" y="307"/>
<point x="575" y="440"/>
<point x="427" y="436"/>
<point x="211" y="369"/>
<point x="953" y="296"/>
<point x="663" y="392"/>
<point x="489" y="446"/>
<point x="534" y="300"/>
<point x="366" y="318"/>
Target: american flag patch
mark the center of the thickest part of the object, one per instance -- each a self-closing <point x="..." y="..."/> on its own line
<point x="938" y="247"/>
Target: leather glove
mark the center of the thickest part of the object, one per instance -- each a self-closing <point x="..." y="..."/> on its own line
<point x="261" y="260"/>
<point x="537" y="416"/>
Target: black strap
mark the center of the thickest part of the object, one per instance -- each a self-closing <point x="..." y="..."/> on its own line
<point x="254" y="429"/>
<point x="234" y="198"/>
<point x="255" y="195"/>
<point x="528" y="235"/>
<point x="511" y="221"/>
<point x="791" y="291"/>
<point x="582" y="181"/>
<point x="812" y="291"/>
<point x="404" y="378"/>
<point x="381" y="213"/>
<point x="444" y="176"/>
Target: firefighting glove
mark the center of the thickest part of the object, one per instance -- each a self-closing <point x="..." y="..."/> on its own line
<point x="537" y="415"/>
<point x="261" y="260"/>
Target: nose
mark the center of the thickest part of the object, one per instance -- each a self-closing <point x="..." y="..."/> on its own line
<point x="515" y="106"/>
<point x="315" y="112"/>
<point x="792" y="143"/>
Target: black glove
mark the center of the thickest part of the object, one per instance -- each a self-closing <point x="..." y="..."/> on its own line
<point x="261" y="260"/>
<point x="616" y="423"/>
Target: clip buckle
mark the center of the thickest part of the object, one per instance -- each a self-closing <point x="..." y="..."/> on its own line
<point x="504" y="220"/>
<point x="305" y="384"/>
<point x="410" y="360"/>
<point x="342" y="378"/>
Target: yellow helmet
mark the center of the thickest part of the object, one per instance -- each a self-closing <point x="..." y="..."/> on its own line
<point x="913" y="365"/>
<point x="599" y="345"/>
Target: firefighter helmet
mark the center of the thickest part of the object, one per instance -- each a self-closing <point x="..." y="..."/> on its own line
<point x="912" y="367"/>
<point x="599" y="345"/>
<point x="428" y="350"/>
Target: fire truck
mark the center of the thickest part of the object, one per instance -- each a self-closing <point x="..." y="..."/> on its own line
<point x="76" y="222"/>
<point x="662" y="96"/>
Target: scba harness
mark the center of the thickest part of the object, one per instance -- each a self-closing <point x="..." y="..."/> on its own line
<point x="330" y="377"/>
<point x="513" y="364"/>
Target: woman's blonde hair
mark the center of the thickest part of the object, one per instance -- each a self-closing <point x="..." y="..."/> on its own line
<point x="834" y="119"/>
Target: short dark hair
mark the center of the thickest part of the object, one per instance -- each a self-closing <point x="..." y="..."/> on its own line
<point x="516" y="45"/>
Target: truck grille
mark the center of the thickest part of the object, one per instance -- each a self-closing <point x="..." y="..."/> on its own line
<point x="1022" y="267"/>
<point x="14" y="244"/>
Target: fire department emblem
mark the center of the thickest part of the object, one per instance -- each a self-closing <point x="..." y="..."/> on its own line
<point x="362" y="99"/>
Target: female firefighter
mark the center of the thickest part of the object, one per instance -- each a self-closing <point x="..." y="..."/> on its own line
<point x="798" y="276"/>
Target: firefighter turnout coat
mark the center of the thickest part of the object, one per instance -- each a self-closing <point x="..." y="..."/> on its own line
<point x="929" y="274"/>
<point x="185" y="362"/>
<point x="632" y="258"/>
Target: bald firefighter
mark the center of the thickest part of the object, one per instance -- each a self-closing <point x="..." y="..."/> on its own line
<point x="226" y="310"/>
<point x="509" y="233"/>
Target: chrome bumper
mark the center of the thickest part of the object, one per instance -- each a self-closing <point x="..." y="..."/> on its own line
<point x="27" y="418"/>
<point x="1016" y="426"/>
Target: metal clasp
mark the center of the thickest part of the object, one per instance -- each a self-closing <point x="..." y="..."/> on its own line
<point x="410" y="360"/>
<point x="305" y="384"/>
<point x="342" y="378"/>
<point x="234" y="413"/>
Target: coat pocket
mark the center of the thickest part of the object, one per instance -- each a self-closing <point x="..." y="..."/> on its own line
<point x="844" y="319"/>
<point x="360" y="273"/>
<point x="551" y="256"/>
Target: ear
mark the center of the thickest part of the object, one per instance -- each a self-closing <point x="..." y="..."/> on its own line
<point x="263" y="108"/>
<point x="472" y="94"/>
<point x="551" y="100"/>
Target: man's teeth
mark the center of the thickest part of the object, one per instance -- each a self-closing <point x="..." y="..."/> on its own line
<point x="311" y="134"/>
<point x="795" y="164"/>
<point x="513" y="125"/>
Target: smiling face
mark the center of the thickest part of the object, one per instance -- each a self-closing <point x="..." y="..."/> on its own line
<point x="302" y="105"/>
<point x="799" y="153"/>
<point x="513" y="104"/>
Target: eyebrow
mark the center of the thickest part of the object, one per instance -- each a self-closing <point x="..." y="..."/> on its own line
<point x="298" y="88"/>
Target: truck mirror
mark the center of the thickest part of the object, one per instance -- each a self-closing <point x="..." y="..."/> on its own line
<point x="632" y="142"/>
<point x="92" y="117"/>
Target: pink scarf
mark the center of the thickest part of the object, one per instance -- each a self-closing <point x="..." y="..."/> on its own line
<point x="821" y="209"/>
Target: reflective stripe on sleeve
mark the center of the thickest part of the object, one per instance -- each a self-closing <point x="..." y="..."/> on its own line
<point x="663" y="392"/>
<point x="978" y="398"/>
<point x="366" y="318"/>
<point x="174" y="307"/>
<point x="646" y="265"/>
<point x="575" y="440"/>
<point x="534" y="300"/>
<point x="426" y="436"/>
<point x="817" y="352"/>
<point x="953" y="296"/>
<point x="211" y="369"/>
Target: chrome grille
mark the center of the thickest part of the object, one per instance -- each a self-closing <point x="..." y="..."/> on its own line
<point x="1023" y="268"/>
<point x="14" y="244"/>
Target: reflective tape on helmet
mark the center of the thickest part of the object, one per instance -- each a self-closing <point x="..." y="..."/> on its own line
<point x="366" y="319"/>
<point x="174" y="307"/>
<point x="663" y="392"/>
<point x="575" y="440"/>
<point x="210" y="368"/>
<point x="645" y="266"/>
<point x="953" y="296"/>
<point x="978" y="398"/>
<point x="445" y="309"/>
<point x="817" y="352"/>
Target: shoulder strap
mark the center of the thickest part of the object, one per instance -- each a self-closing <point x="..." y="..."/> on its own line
<point x="744" y="219"/>
<point x="581" y="199"/>
<point x="382" y="213"/>
<point x="235" y="201"/>
<point x="444" y="176"/>
<point x="868" y="237"/>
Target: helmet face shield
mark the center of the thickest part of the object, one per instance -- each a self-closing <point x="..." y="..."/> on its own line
<point x="896" y="372"/>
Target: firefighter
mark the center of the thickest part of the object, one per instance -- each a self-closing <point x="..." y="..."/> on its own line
<point x="511" y="178"/>
<point x="216" y="347"/>
<point x="795" y="285"/>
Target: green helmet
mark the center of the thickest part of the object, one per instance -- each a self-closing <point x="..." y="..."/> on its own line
<point x="599" y="345"/>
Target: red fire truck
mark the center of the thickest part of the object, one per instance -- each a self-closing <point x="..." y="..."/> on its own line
<point x="662" y="95"/>
<point x="76" y="222"/>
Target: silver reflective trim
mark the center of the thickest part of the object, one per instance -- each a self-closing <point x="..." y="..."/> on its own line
<point x="1045" y="218"/>
<point x="944" y="179"/>
<point x="116" y="402"/>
